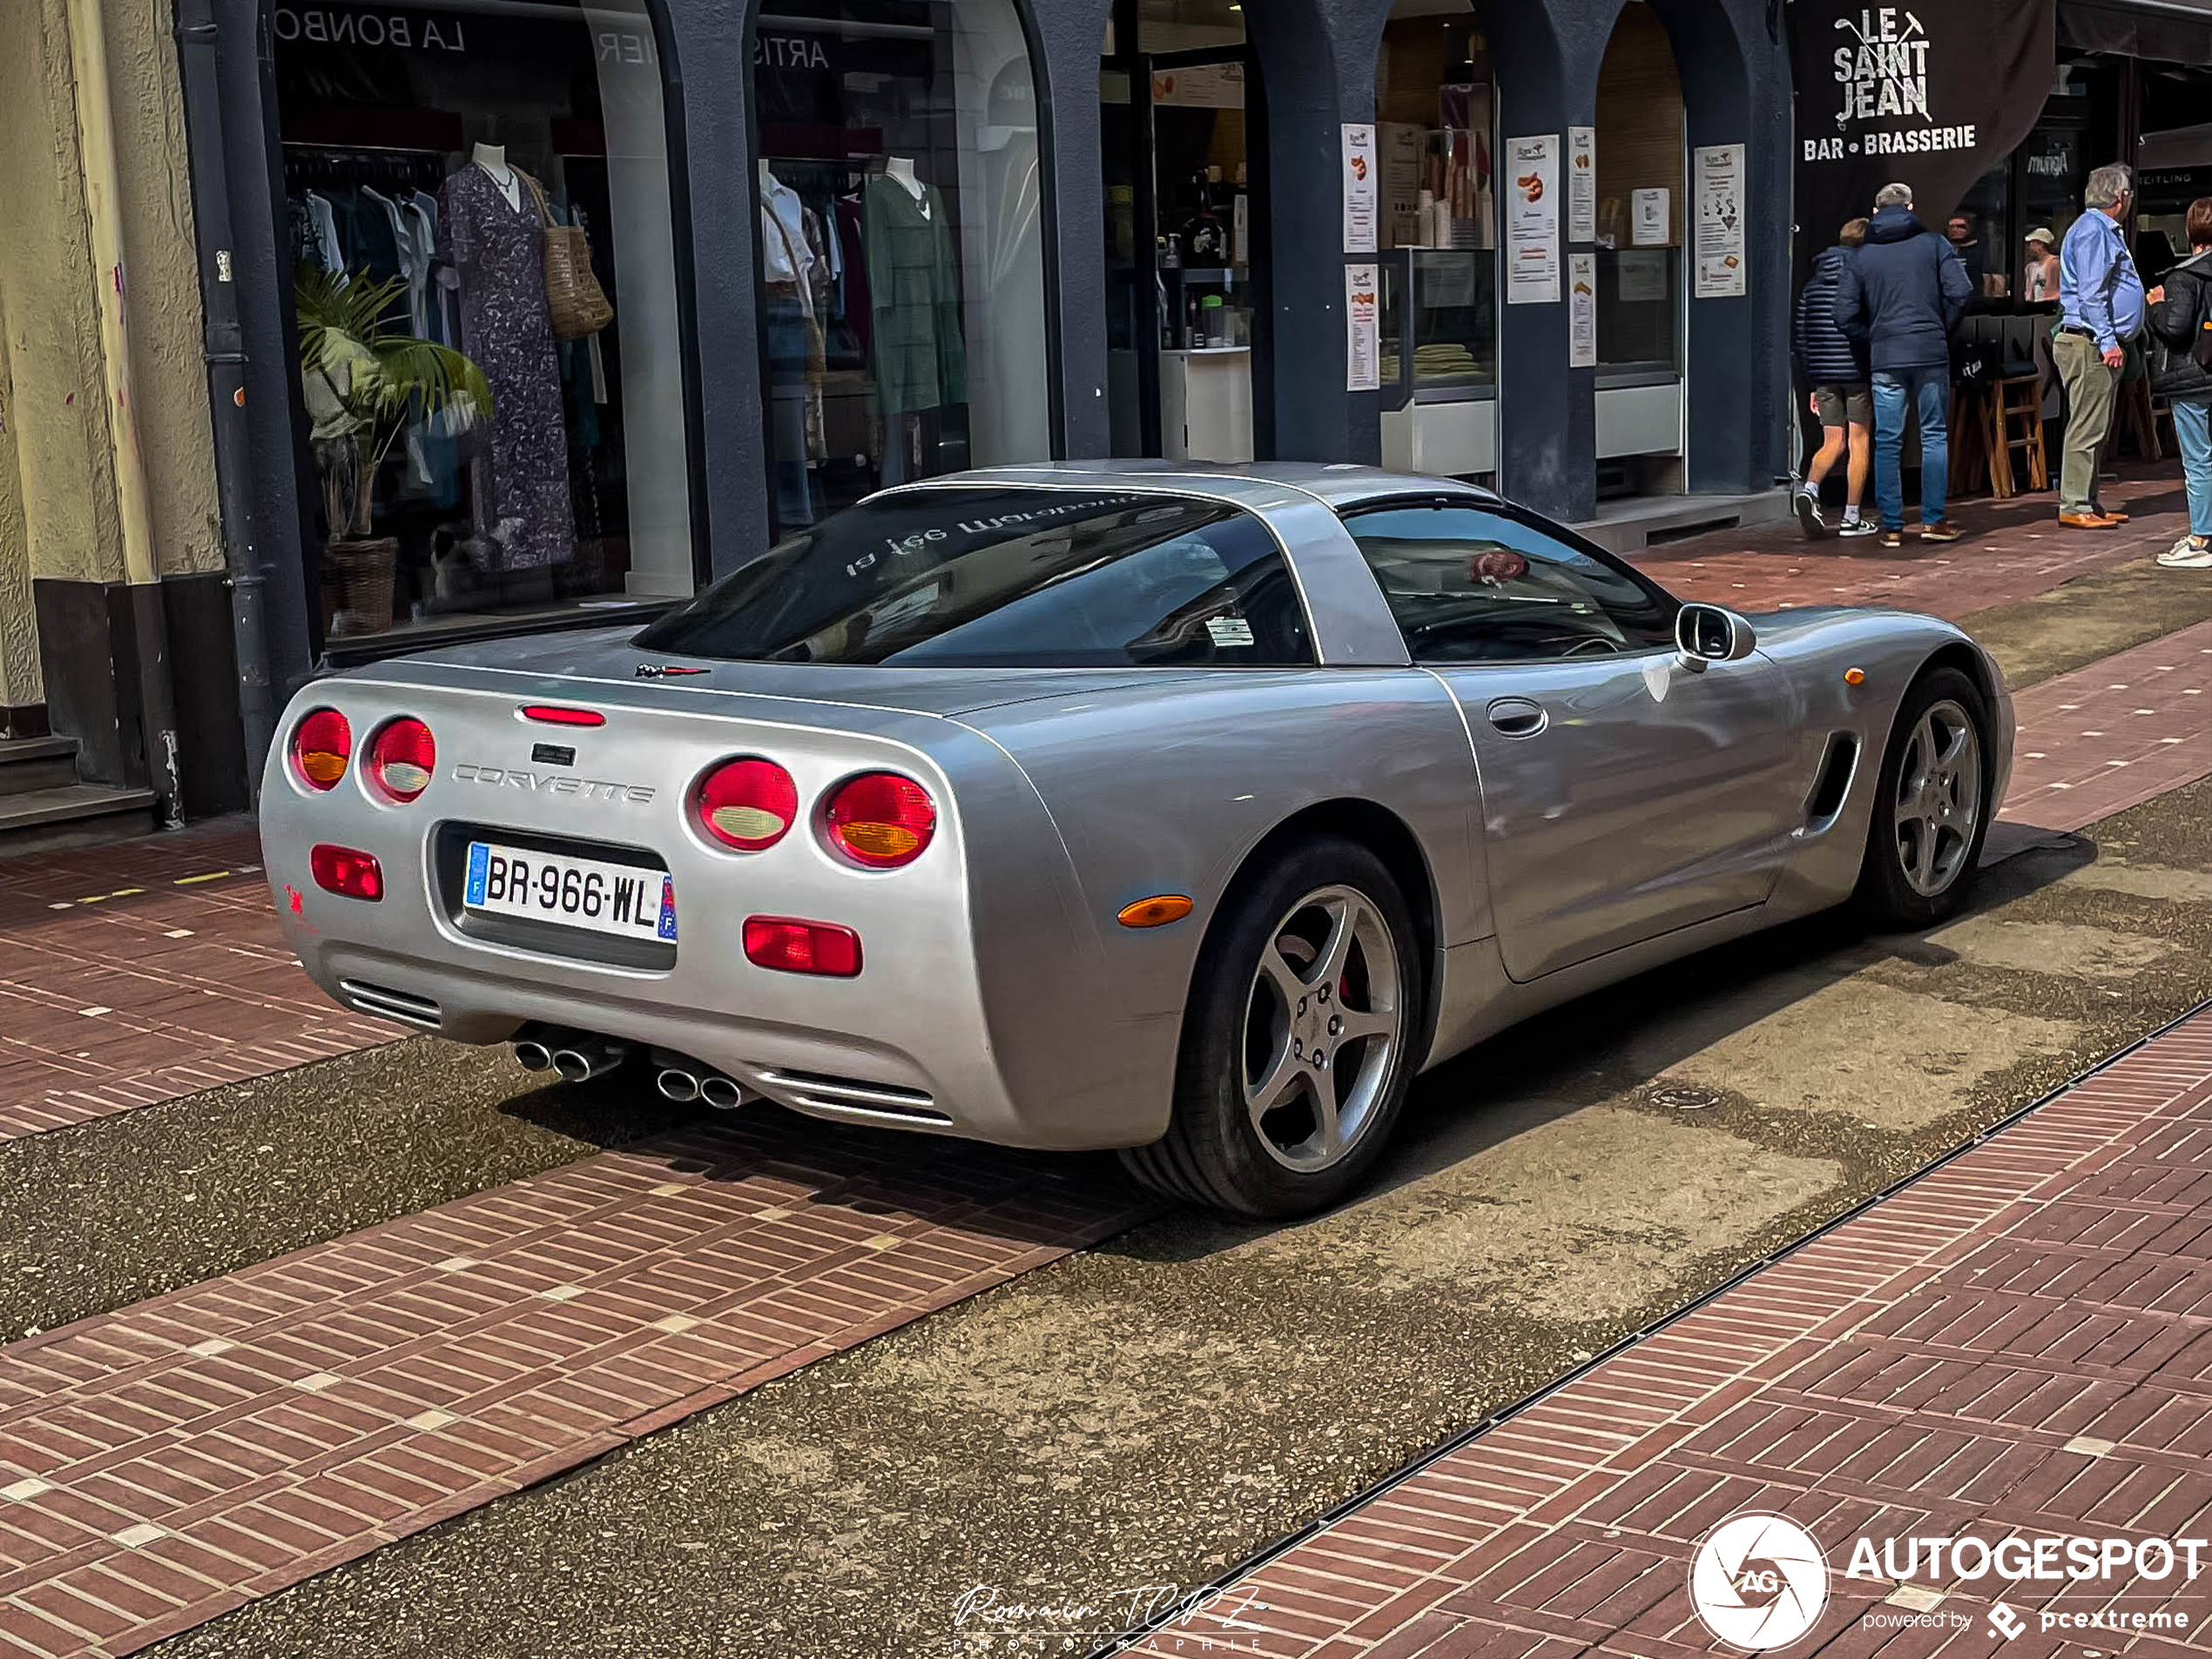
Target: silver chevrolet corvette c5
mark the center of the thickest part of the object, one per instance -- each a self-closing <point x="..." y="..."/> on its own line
<point x="1188" y="812"/>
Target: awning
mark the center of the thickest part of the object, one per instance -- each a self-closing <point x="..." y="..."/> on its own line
<point x="2177" y="31"/>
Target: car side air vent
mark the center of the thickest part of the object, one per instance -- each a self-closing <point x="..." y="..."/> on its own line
<point x="402" y="1006"/>
<point x="1833" y="783"/>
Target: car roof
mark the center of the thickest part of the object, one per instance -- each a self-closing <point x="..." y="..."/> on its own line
<point x="1338" y="484"/>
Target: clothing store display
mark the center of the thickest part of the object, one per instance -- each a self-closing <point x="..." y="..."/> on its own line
<point x="919" y="355"/>
<point x="494" y="254"/>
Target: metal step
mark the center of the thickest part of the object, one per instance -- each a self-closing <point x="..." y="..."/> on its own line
<point x="27" y="764"/>
<point x="72" y="815"/>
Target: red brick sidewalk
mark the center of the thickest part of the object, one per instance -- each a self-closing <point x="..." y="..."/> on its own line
<point x="2018" y="1344"/>
<point x="146" y="969"/>
<point x="2013" y="550"/>
<point x="163" y="1464"/>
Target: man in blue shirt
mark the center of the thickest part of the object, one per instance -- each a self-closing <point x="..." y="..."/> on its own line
<point x="2101" y="305"/>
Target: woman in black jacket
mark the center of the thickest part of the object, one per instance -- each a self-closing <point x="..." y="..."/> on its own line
<point x="1832" y="365"/>
<point x="2181" y="330"/>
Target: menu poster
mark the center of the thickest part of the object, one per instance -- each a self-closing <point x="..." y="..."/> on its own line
<point x="1718" y="170"/>
<point x="1582" y="184"/>
<point x="1651" y="224"/>
<point x="1581" y="311"/>
<point x="1532" y="220"/>
<point x="1361" y="188"/>
<point x="1362" y="328"/>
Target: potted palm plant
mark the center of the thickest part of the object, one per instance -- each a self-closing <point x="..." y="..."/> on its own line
<point x="365" y="383"/>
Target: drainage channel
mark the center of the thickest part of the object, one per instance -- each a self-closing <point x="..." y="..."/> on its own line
<point x="1359" y="1500"/>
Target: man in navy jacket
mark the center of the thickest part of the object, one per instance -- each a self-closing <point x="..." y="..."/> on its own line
<point x="1833" y="368"/>
<point x="1903" y="297"/>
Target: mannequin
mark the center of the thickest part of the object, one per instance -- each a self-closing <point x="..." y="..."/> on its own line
<point x="492" y="158"/>
<point x="902" y="169"/>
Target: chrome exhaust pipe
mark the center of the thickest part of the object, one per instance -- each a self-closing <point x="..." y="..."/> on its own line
<point x="584" y="1058"/>
<point x="533" y="1055"/>
<point x="679" y="1084"/>
<point x="721" y="1094"/>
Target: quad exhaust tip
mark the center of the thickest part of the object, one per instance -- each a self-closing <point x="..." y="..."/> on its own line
<point x="576" y="1055"/>
<point x="678" y="1084"/>
<point x="721" y="1094"/>
<point x="534" y="1055"/>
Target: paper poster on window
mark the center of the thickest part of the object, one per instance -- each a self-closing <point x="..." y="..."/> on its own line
<point x="1582" y="184"/>
<point x="1211" y="86"/>
<point x="1361" y="188"/>
<point x="1651" y="225"/>
<point x="1362" y="328"/>
<point x="1643" y="276"/>
<point x="1581" y="311"/>
<point x="1717" y="170"/>
<point x="1532" y="220"/>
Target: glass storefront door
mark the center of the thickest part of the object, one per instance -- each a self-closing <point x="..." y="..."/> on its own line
<point x="1185" y="306"/>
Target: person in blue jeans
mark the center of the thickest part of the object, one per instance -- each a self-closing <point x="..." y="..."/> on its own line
<point x="1902" y="299"/>
<point x="2181" y="370"/>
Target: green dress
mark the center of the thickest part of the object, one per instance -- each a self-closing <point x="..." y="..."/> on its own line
<point x="914" y="298"/>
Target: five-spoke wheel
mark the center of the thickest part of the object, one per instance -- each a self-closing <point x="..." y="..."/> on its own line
<point x="1930" y="806"/>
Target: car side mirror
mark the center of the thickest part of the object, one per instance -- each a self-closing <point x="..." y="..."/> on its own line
<point x="1712" y="634"/>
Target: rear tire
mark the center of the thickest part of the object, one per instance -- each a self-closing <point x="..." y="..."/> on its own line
<point x="1932" y="807"/>
<point x="1300" y="1041"/>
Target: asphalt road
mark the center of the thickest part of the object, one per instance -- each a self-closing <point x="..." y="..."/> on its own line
<point x="1146" y="1413"/>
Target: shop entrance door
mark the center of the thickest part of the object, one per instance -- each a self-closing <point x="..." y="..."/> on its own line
<point x="1184" y="163"/>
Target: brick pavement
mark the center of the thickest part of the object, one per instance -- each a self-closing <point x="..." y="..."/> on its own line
<point x="2019" y="1343"/>
<point x="146" y="969"/>
<point x="165" y="1464"/>
<point x="2013" y="550"/>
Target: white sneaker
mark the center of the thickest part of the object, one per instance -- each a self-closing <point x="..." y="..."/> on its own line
<point x="1808" y="519"/>
<point x="2188" y="554"/>
<point x="1857" y="527"/>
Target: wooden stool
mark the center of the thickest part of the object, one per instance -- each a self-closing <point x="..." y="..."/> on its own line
<point x="1969" y="443"/>
<point x="2016" y="422"/>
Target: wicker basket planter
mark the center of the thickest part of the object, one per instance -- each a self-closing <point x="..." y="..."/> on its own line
<point x="358" y="575"/>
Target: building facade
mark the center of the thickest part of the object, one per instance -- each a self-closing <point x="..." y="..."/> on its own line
<point x="843" y="243"/>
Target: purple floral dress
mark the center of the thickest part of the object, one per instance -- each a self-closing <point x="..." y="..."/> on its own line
<point x="519" y="459"/>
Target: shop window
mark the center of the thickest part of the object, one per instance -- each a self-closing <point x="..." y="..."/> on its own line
<point x="1640" y="210"/>
<point x="901" y="254"/>
<point x="1434" y="99"/>
<point x="1977" y="233"/>
<point x="430" y="157"/>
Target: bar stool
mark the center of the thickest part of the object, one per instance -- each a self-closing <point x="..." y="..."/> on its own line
<point x="2016" y="422"/>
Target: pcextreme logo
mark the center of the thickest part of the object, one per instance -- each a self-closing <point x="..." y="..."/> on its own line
<point x="1759" y="1582"/>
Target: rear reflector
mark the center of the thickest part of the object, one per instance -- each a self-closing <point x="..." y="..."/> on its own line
<point x="746" y="804"/>
<point x="347" y="872"/>
<point x="551" y="715"/>
<point x="881" y="819"/>
<point x="321" y="745"/>
<point x="793" y="946"/>
<point x="403" y="758"/>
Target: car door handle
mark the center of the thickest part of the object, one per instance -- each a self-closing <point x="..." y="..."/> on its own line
<point x="1516" y="717"/>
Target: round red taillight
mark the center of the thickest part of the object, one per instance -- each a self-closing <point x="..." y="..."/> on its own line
<point x="321" y="745"/>
<point x="402" y="759"/>
<point x="746" y="804"/>
<point x="881" y="819"/>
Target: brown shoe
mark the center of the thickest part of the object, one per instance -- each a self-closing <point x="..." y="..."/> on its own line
<point x="2109" y="517"/>
<point x="2085" y="522"/>
<point x="1892" y="538"/>
<point x="1942" y="530"/>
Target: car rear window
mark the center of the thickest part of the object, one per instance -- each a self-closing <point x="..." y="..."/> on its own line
<point x="1008" y="578"/>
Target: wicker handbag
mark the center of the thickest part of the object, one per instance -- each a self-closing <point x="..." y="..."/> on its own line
<point x="575" y="302"/>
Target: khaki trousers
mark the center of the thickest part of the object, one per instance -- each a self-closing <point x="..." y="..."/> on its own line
<point x="2089" y="417"/>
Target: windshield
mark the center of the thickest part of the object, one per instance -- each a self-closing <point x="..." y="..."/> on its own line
<point x="1008" y="578"/>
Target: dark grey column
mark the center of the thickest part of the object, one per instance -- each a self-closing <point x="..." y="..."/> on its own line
<point x="1066" y="37"/>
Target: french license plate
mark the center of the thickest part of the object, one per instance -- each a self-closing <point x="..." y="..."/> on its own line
<point x="619" y="899"/>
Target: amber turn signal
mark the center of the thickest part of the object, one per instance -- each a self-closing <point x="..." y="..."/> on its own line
<point x="1156" y="911"/>
<point x="1854" y="677"/>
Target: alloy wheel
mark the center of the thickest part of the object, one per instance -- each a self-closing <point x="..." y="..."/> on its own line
<point x="1938" y="798"/>
<point x="1322" y="1027"/>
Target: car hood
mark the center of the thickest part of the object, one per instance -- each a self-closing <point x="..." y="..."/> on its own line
<point x="567" y="665"/>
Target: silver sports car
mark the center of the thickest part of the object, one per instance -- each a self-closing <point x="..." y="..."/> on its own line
<point x="1186" y="813"/>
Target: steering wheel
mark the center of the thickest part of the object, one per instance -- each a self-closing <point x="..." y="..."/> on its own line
<point x="1591" y="644"/>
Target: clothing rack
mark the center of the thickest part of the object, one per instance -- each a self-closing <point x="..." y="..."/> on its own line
<point x="313" y="166"/>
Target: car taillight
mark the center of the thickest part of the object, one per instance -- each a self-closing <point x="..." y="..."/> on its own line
<point x="746" y="804"/>
<point x="881" y="819"/>
<point x="321" y="745"/>
<point x="402" y="759"/>
<point x="551" y="714"/>
<point x="347" y="871"/>
<point x="792" y="947"/>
